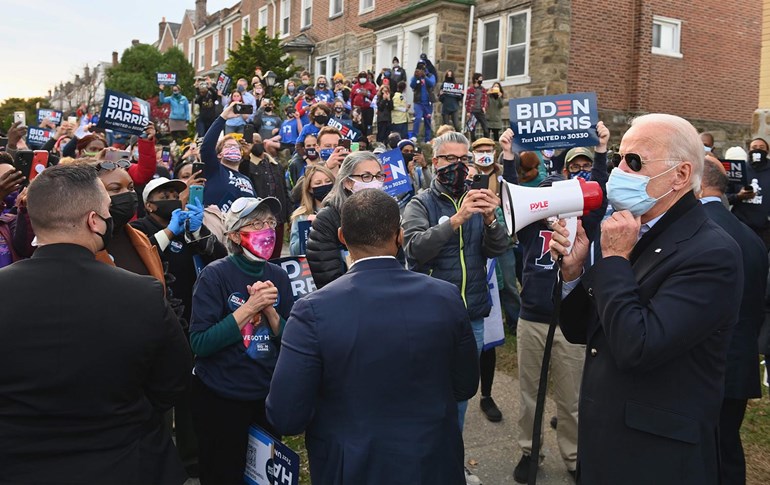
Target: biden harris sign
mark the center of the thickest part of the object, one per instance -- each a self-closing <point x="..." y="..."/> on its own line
<point x="121" y="112"/>
<point x="563" y="121"/>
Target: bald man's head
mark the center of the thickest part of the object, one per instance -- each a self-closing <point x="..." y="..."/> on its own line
<point x="715" y="179"/>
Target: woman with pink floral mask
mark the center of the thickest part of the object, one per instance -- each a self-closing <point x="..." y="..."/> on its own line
<point x="240" y="306"/>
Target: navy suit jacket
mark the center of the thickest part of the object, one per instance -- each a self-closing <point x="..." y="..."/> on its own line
<point x="742" y="377"/>
<point x="371" y="368"/>
<point x="656" y="330"/>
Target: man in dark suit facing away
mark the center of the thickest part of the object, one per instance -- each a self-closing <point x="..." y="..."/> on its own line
<point x="91" y="355"/>
<point x="372" y="365"/>
<point x="656" y="314"/>
<point x="742" y="380"/>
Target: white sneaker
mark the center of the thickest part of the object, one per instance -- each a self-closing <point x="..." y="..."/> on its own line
<point x="470" y="478"/>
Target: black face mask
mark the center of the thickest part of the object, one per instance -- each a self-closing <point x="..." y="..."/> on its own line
<point x="268" y="109"/>
<point x="257" y="149"/>
<point x="322" y="120"/>
<point x="408" y="157"/>
<point x="758" y="158"/>
<point x="165" y="208"/>
<point x="107" y="234"/>
<point x="320" y="192"/>
<point x="123" y="208"/>
<point x="311" y="153"/>
<point x="452" y="177"/>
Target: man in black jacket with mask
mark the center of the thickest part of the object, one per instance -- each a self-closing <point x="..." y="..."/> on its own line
<point x="92" y="355"/>
<point x="750" y="206"/>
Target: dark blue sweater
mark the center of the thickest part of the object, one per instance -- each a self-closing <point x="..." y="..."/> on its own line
<point x="223" y="185"/>
<point x="235" y="371"/>
<point x="539" y="272"/>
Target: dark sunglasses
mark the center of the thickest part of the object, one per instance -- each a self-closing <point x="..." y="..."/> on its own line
<point x="124" y="164"/>
<point x="633" y="160"/>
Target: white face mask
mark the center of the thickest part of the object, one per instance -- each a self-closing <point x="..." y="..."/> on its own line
<point x="360" y="185"/>
<point x="483" y="159"/>
<point x="628" y="191"/>
<point x="362" y="80"/>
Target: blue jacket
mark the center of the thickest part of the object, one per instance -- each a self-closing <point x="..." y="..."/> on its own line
<point x="180" y="107"/>
<point x="459" y="257"/>
<point x="423" y="88"/>
<point x="375" y="387"/>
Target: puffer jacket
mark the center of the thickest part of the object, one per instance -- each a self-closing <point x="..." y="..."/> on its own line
<point x="324" y="249"/>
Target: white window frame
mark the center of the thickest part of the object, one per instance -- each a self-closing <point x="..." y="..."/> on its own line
<point x="262" y="13"/>
<point x="363" y="65"/>
<point x="245" y="25"/>
<point x="676" y="26"/>
<point x="202" y="54"/>
<point x="307" y="14"/>
<point x="285" y="18"/>
<point x="330" y="61"/>
<point x="332" y="13"/>
<point x="502" y="49"/>
<point x="362" y="8"/>
<point x="215" y="49"/>
<point x="507" y="46"/>
<point x="228" y="41"/>
<point x="191" y="51"/>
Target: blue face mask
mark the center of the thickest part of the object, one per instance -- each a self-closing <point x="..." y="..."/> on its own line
<point x="628" y="191"/>
<point x="325" y="153"/>
<point x="583" y="174"/>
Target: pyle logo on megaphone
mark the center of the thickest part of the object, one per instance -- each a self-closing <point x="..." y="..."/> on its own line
<point x="566" y="199"/>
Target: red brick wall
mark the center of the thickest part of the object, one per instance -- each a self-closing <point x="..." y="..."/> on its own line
<point x="717" y="78"/>
<point x="183" y="37"/>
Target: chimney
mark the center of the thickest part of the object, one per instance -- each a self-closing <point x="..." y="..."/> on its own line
<point x="87" y="73"/>
<point x="49" y="94"/>
<point x="200" y="13"/>
<point x="114" y="58"/>
<point x="134" y="42"/>
<point x="161" y="28"/>
<point x="77" y="79"/>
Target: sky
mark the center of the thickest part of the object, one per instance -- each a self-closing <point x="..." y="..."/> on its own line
<point x="44" y="42"/>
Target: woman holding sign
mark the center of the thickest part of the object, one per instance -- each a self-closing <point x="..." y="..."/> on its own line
<point x="180" y="112"/>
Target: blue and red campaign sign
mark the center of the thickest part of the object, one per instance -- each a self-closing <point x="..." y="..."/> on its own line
<point x="121" y="112"/>
<point x="397" y="179"/>
<point x="561" y="121"/>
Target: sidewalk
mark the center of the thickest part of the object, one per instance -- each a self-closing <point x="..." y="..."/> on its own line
<point x="494" y="446"/>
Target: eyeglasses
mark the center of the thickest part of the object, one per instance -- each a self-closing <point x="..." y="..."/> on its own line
<point x="634" y="160"/>
<point x="367" y="177"/>
<point x="124" y="164"/>
<point x="454" y="158"/>
<point x="258" y="225"/>
<point x="576" y="167"/>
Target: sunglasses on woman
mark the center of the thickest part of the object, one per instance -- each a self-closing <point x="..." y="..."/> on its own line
<point x="124" y="164"/>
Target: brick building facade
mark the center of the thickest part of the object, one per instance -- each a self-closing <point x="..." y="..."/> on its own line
<point x="699" y="60"/>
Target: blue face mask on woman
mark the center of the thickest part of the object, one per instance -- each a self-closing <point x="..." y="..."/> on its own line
<point x="628" y="191"/>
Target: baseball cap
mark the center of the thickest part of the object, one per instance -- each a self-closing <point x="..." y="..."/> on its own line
<point x="162" y="182"/>
<point x="735" y="153"/>
<point x="578" y="152"/>
<point x="242" y="207"/>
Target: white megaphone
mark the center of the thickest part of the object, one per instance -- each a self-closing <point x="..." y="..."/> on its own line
<point x="566" y="199"/>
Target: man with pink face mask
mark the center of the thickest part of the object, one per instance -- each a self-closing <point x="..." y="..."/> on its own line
<point x="240" y="307"/>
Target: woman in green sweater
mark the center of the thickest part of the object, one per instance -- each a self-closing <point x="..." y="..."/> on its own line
<point x="240" y="306"/>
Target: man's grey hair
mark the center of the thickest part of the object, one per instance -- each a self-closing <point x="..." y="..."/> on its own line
<point x="681" y="140"/>
<point x="450" y="137"/>
<point x="338" y="195"/>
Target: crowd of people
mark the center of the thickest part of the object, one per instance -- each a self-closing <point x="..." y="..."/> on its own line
<point x="141" y="292"/>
